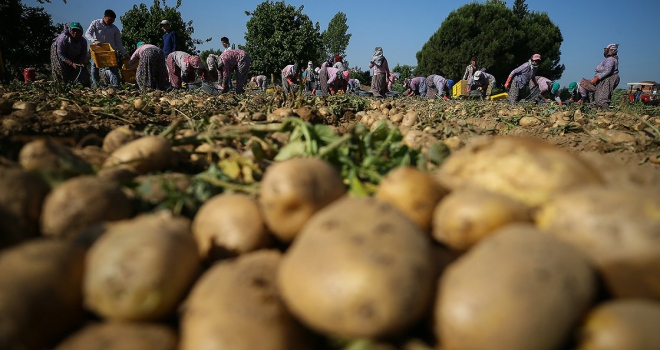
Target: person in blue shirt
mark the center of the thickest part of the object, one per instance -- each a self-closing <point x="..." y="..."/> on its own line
<point x="169" y="38"/>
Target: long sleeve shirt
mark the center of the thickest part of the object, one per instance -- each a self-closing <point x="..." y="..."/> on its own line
<point x="523" y="74"/>
<point x="332" y="75"/>
<point x="260" y="79"/>
<point x="110" y="34"/>
<point x="383" y="69"/>
<point x="230" y="59"/>
<point x="545" y="84"/>
<point x="169" y="42"/>
<point x="138" y="53"/>
<point x="416" y="82"/>
<point x="187" y="72"/>
<point x="469" y="72"/>
<point x="288" y="74"/>
<point x="609" y="66"/>
<point x="68" y="49"/>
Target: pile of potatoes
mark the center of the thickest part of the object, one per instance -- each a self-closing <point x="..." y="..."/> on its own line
<point x="511" y="244"/>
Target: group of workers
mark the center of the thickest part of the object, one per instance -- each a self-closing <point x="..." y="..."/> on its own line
<point x="164" y="68"/>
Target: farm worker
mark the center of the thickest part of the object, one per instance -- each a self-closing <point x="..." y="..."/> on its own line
<point x="328" y="62"/>
<point x="310" y="78"/>
<point x="381" y="73"/>
<point x="103" y="31"/>
<point x="470" y="69"/>
<point x="151" y="70"/>
<point x="108" y="78"/>
<point x="339" y="63"/>
<point x="547" y="87"/>
<point x="578" y="94"/>
<point x="480" y="82"/>
<point x="354" y="85"/>
<point x="225" y="46"/>
<point x="521" y="76"/>
<point x="68" y="54"/>
<point x="437" y="85"/>
<point x="214" y="63"/>
<point x="391" y="79"/>
<point x="169" y="38"/>
<point x="607" y="76"/>
<point x="182" y="68"/>
<point x="261" y="81"/>
<point x="238" y="62"/>
<point x="290" y="77"/>
<point x="415" y="86"/>
<point x="331" y="80"/>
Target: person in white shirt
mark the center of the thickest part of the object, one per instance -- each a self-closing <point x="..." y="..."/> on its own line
<point x="103" y="31"/>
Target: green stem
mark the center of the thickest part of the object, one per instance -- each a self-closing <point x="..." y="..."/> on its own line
<point x="251" y="189"/>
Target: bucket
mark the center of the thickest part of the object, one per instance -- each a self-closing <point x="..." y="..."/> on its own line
<point x="29" y="75"/>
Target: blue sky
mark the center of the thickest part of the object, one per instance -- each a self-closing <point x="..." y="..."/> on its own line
<point x="402" y="27"/>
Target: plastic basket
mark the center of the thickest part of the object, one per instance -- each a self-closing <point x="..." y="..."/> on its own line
<point x="459" y="89"/>
<point x="502" y="96"/>
<point x="128" y="75"/>
<point x="103" y="55"/>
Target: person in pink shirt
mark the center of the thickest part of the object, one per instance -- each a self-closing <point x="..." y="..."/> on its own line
<point x="290" y="77"/>
<point x="332" y="80"/>
<point x="183" y="66"/>
<point x="381" y="72"/>
<point x="151" y="70"/>
<point x="391" y="80"/>
<point x="261" y="81"/>
<point x="237" y="61"/>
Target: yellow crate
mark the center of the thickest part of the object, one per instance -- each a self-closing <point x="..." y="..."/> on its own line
<point x="502" y="96"/>
<point x="103" y="55"/>
<point x="128" y="75"/>
<point x="459" y="89"/>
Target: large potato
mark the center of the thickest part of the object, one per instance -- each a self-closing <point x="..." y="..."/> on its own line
<point x="21" y="198"/>
<point x="80" y="202"/>
<point x="140" y="269"/>
<point x="412" y="191"/>
<point x="359" y="268"/>
<point x="528" y="170"/>
<point x="464" y="217"/>
<point x="40" y="293"/>
<point x="228" y="225"/>
<point x="121" y="336"/>
<point x="118" y="137"/>
<point x="52" y="157"/>
<point x="141" y="156"/>
<point x="517" y="289"/>
<point x="617" y="228"/>
<point x="630" y="324"/>
<point x="293" y="190"/>
<point x="236" y="305"/>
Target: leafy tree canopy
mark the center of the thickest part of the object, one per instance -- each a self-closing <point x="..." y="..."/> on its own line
<point x="406" y="71"/>
<point x="335" y="40"/>
<point x="278" y="35"/>
<point x="493" y="34"/>
<point x="142" y="23"/>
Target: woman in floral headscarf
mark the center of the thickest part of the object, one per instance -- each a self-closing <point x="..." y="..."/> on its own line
<point x="381" y="72"/>
<point x="607" y="76"/>
<point x="183" y="66"/>
<point x="151" y="71"/>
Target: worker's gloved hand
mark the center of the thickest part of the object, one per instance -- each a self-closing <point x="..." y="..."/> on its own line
<point x="508" y="82"/>
<point x="96" y="42"/>
<point x="595" y="80"/>
<point x="70" y="63"/>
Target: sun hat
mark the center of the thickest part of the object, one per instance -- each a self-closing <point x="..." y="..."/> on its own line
<point x="164" y="22"/>
<point x="536" y="57"/>
<point x="555" y="87"/>
<point x="75" y="25"/>
<point x="572" y="86"/>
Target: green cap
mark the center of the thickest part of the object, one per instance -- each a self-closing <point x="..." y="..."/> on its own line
<point x="75" y="25"/>
<point x="555" y="87"/>
<point x="140" y="43"/>
<point x="572" y="86"/>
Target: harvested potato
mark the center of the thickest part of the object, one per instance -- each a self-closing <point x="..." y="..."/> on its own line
<point x="121" y="336"/>
<point x="81" y="202"/>
<point x="630" y="324"/>
<point x="412" y="191"/>
<point x="359" y="268"/>
<point x="617" y="228"/>
<point x="21" y="198"/>
<point x="234" y="301"/>
<point x="50" y="156"/>
<point x="118" y="137"/>
<point x="464" y="217"/>
<point x="293" y="190"/>
<point x="144" y="155"/>
<point x="228" y="225"/>
<point x="519" y="289"/>
<point x="140" y="269"/>
<point x="528" y="170"/>
<point x="154" y="189"/>
<point x="40" y="293"/>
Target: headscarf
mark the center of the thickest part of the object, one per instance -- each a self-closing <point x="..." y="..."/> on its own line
<point x="338" y="58"/>
<point x="194" y="62"/>
<point x="406" y="83"/>
<point x="611" y="50"/>
<point x="212" y="61"/>
<point x="377" y="58"/>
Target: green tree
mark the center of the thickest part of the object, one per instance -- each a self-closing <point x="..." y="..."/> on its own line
<point x="278" y="35"/>
<point x="32" y="33"/>
<point x="407" y="72"/>
<point x="520" y="9"/>
<point x="335" y="40"/>
<point x="142" y="23"/>
<point x="545" y="38"/>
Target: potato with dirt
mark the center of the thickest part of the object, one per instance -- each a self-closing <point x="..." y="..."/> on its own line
<point x="228" y="225"/>
<point x="359" y="268"/>
<point x="21" y="198"/>
<point x="118" y="137"/>
<point x="40" y="292"/>
<point x="414" y="192"/>
<point x="630" y="324"/>
<point x="528" y="170"/>
<point x="236" y="305"/>
<point x="121" y="336"/>
<point x="141" y="156"/>
<point x="140" y="269"/>
<point x="617" y="228"/>
<point x="464" y="217"/>
<point x="52" y="157"/>
<point x="293" y="190"/>
<point x="80" y="202"/>
<point x="518" y="288"/>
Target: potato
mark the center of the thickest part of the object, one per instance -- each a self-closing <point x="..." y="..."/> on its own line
<point x="154" y="189"/>
<point x="51" y="156"/>
<point x="413" y="192"/>
<point x="118" y="137"/>
<point x="40" y="293"/>
<point x="464" y="217"/>
<point x="293" y="190"/>
<point x="359" y="268"/>
<point x="528" y="170"/>
<point x="144" y="155"/>
<point x="21" y="198"/>
<point x="236" y="305"/>
<point x="519" y="289"/>
<point x="121" y="336"/>
<point x="617" y="228"/>
<point x="80" y="202"/>
<point x="630" y="324"/>
<point x="228" y="225"/>
<point x="140" y="269"/>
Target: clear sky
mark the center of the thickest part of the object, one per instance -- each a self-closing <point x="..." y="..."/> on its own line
<point x="402" y="27"/>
